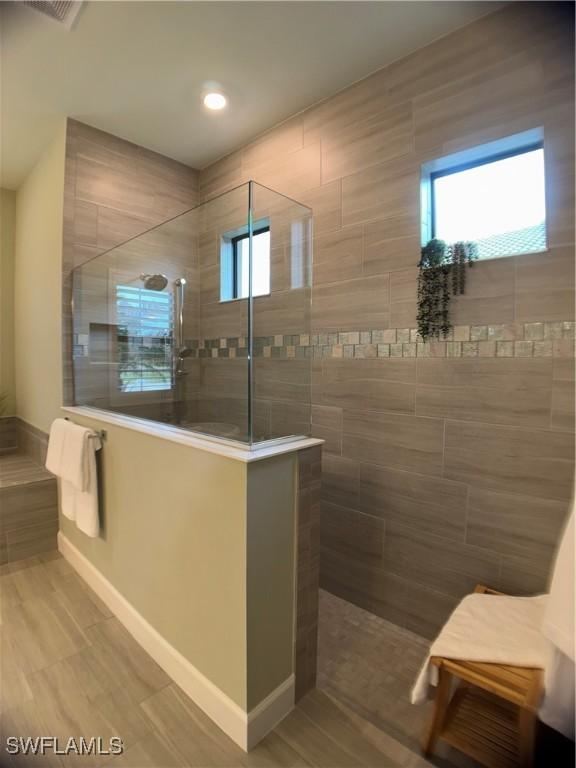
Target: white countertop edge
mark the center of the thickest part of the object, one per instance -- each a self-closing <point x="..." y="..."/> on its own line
<point x="194" y="440"/>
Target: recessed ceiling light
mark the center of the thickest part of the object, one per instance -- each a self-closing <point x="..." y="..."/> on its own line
<point x="215" y="101"/>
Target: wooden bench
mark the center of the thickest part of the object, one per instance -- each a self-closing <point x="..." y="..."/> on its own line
<point x="492" y="714"/>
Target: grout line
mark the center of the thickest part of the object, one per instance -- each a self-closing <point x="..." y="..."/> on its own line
<point x="500" y="569"/>
<point x="442" y="473"/>
<point x="466" y="514"/>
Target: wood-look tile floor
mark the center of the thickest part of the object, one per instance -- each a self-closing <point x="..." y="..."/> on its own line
<point x="19" y="469"/>
<point x="68" y="668"/>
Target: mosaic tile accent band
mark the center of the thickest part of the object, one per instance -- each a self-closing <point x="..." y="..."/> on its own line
<point x="545" y="339"/>
<point x="511" y="340"/>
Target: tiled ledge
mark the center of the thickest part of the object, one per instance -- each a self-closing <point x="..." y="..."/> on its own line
<point x="228" y="448"/>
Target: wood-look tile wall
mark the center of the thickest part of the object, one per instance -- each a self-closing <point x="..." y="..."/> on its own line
<point x="437" y="474"/>
<point x="8" y="434"/>
<point x="28" y="518"/>
<point x="28" y="494"/>
<point x="17" y="436"/>
<point x="115" y="190"/>
<point x="33" y="442"/>
<point x="308" y="568"/>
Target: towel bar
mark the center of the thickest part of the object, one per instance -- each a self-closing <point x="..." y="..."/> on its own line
<point x="100" y="433"/>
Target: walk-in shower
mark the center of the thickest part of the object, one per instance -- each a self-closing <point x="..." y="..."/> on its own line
<point x="204" y="321"/>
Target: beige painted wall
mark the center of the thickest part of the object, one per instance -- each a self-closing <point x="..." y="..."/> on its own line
<point x="174" y="545"/>
<point x="7" y="224"/>
<point x="37" y="288"/>
<point x="270" y="536"/>
<point x="203" y="547"/>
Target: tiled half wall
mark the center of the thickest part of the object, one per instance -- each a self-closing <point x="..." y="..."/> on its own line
<point x="28" y="493"/>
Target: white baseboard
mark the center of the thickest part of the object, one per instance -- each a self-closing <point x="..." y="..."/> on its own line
<point x="266" y="715"/>
<point x="245" y="728"/>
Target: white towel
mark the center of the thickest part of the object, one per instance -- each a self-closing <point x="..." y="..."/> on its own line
<point x="68" y="499"/>
<point x="489" y="628"/>
<point x="86" y="502"/>
<point x="72" y="457"/>
<point x="75" y="467"/>
<point x="558" y="624"/>
<point x="68" y="453"/>
<point x="558" y="706"/>
<point x="58" y="432"/>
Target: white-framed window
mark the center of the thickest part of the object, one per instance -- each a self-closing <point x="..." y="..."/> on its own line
<point x="492" y="195"/>
<point x="145" y="328"/>
<point x="235" y="263"/>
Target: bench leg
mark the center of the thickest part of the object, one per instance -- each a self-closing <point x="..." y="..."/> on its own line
<point x="439" y="710"/>
<point x="526" y="736"/>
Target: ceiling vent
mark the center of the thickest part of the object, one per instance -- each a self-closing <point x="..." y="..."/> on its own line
<point x="62" y="11"/>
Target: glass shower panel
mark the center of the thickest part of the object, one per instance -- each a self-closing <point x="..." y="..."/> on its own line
<point x="203" y="322"/>
<point x="136" y="315"/>
<point x="281" y="317"/>
<point x="138" y="310"/>
<point x="222" y="402"/>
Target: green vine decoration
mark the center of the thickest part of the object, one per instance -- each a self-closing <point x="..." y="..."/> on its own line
<point x="442" y="275"/>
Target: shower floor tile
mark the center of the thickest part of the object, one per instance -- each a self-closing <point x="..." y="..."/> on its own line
<point x="370" y="664"/>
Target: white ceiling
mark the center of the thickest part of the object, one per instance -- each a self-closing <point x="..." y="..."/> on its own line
<point x="137" y="69"/>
